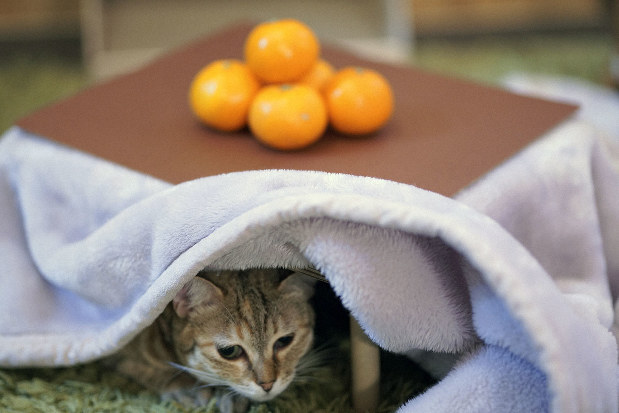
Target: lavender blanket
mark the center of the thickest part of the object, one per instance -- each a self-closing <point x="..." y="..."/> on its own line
<point x="518" y="273"/>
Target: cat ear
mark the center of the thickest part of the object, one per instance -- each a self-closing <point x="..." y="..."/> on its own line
<point x="196" y="292"/>
<point x="297" y="284"/>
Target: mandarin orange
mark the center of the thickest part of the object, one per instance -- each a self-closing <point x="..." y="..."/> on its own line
<point x="221" y="93"/>
<point x="281" y="51"/>
<point x="288" y="117"/>
<point x="359" y="101"/>
<point x="319" y="75"/>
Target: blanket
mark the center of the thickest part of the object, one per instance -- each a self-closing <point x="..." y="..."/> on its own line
<point x="518" y="273"/>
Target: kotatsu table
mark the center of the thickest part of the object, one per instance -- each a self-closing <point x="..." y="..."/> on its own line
<point x="445" y="133"/>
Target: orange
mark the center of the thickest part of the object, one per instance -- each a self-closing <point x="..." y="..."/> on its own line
<point x="281" y="51"/>
<point x="319" y="75"/>
<point x="288" y="117"/>
<point x="220" y="94"/>
<point x="359" y="101"/>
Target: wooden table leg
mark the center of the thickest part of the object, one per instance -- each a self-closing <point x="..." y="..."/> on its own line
<point x="365" y="366"/>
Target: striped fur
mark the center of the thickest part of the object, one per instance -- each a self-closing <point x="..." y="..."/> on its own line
<point x="243" y="331"/>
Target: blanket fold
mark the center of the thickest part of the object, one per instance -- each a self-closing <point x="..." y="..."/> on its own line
<point x="519" y="270"/>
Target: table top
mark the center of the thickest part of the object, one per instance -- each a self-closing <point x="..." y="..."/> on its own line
<point x="445" y="132"/>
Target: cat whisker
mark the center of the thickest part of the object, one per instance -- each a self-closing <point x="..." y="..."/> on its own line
<point x="311" y="367"/>
<point x="315" y="375"/>
<point x="231" y="392"/>
<point x="315" y="359"/>
<point x="205" y="376"/>
<point x="227" y="395"/>
<point x="179" y="367"/>
<point x="305" y="379"/>
<point x="201" y="385"/>
<point x="178" y="372"/>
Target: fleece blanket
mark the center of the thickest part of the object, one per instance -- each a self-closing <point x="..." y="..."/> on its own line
<point x="518" y="273"/>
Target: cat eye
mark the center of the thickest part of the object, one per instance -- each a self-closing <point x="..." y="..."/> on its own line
<point x="283" y="342"/>
<point x="230" y="352"/>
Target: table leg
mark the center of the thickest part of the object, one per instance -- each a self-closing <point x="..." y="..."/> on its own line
<point x="365" y="366"/>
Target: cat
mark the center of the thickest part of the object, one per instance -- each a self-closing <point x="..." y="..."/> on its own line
<point x="238" y="335"/>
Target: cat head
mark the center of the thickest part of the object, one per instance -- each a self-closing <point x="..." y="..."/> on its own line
<point x="244" y="329"/>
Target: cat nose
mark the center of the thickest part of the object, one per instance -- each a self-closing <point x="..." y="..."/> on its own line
<point x="267" y="386"/>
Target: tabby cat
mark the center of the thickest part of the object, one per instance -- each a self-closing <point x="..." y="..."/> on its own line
<point x="241" y="334"/>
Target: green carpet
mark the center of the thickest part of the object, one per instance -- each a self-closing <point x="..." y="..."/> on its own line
<point x="488" y="59"/>
<point x="29" y="81"/>
<point x="91" y="388"/>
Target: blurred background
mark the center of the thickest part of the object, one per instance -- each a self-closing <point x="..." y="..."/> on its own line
<point x="50" y="49"/>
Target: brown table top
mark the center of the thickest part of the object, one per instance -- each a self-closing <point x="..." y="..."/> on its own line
<point x="444" y="134"/>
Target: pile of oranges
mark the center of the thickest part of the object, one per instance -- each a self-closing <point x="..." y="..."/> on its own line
<point x="286" y="92"/>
